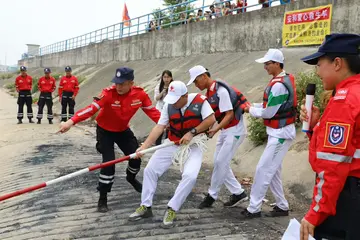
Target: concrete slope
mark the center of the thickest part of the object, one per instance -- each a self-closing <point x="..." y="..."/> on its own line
<point x="31" y="154"/>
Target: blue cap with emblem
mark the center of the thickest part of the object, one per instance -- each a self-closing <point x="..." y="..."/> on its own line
<point x="47" y="70"/>
<point x="22" y="68"/>
<point x="338" y="45"/>
<point x="123" y="74"/>
<point x="67" y="69"/>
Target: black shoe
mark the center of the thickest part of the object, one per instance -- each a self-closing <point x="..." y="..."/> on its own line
<point x="277" y="212"/>
<point x="207" y="202"/>
<point x="63" y="120"/>
<point x="102" y="205"/>
<point x="19" y="121"/>
<point x="236" y="200"/>
<point x="135" y="183"/>
<point x="50" y="121"/>
<point x="248" y="214"/>
<point x="39" y="121"/>
<point x="30" y="120"/>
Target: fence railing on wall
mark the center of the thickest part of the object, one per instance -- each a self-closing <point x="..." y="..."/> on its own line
<point x="163" y="18"/>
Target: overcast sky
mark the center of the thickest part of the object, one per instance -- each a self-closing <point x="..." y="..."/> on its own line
<point x="45" y="22"/>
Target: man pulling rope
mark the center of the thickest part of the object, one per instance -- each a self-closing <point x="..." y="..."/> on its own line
<point x="187" y="115"/>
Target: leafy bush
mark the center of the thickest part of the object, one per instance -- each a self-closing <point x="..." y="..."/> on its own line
<point x="257" y="131"/>
<point x="10" y="86"/>
<point x="302" y="80"/>
<point x="35" y="85"/>
<point x="256" y="127"/>
<point x="56" y="76"/>
<point x="6" y="75"/>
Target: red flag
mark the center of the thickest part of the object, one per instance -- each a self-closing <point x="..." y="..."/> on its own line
<point x="126" y="18"/>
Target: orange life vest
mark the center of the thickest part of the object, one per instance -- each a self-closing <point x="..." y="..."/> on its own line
<point x="238" y="101"/>
<point x="181" y="124"/>
<point x="287" y="112"/>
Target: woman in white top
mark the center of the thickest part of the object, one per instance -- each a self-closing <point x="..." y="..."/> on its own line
<point x="161" y="90"/>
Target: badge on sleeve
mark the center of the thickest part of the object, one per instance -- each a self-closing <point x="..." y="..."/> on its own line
<point x="336" y="135"/>
<point x="341" y="94"/>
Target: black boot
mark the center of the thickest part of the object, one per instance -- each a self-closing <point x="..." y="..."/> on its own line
<point x="19" y="121"/>
<point x="207" y="202"/>
<point x="134" y="182"/>
<point x="102" y="203"/>
<point x="30" y="120"/>
<point x="39" y="121"/>
<point x="50" y="121"/>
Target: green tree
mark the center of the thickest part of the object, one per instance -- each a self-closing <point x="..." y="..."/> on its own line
<point x="171" y="15"/>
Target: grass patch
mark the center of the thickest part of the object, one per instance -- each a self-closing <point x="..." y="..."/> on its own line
<point x="5" y="76"/>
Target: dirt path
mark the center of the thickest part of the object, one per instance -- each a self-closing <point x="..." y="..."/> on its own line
<point x="31" y="154"/>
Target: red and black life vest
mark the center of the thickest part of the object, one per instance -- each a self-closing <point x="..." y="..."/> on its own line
<point x="181" y="124"/>
<point x="286" y="114"/>
<point x="238" y="101"/>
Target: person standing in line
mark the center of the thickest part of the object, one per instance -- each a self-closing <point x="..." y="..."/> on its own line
<point x="68" y="89"/>
<point x="279" y="113"/>
<point x="23" y="84"/>
<point x="160" y="91"/>
<point x="46" y="86"/>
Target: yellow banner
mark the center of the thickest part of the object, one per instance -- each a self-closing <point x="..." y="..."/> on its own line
<point x="306" y="26"/>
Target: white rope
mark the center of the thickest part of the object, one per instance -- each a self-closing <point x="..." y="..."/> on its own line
<point x="182" y="154"/>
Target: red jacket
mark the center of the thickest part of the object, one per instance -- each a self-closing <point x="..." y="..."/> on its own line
<point x="117" y="110"/>
<point x="334" y="151"/>
<point x="46" y="84"/>
<point x="23" y="83"/>
<point x="69" y="84"/>
<point x="286" y="114"/>
<point x="180" y="125"/>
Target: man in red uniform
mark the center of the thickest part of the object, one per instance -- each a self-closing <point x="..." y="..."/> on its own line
<point x="68" y="89"/>
<point x="46" y="86"/>
<point x="117" y="105"/>
<point x="334" y="151"/>
<point x="23" y="85"/>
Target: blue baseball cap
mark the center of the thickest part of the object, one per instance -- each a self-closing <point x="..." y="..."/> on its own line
<point x="67" y="69"/>
<point x="123" y="74"/>
<point x="22" y="68"/>
<point x="337" y="44"/>
<point x="47" y="70"/>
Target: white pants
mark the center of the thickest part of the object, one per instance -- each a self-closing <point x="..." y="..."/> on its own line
<point x="160" y="162"/>
<point x="268" y="172"/>
<point x="226" y="147"/>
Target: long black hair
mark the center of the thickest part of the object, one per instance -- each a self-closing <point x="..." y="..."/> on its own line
<point x="161" y="87"/>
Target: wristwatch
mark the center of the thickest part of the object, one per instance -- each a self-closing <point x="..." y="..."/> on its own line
<point x="193" y="131"/>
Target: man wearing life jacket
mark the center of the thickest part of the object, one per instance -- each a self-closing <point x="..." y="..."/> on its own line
<point x="228" y="104"/>
<point x="334" y="150"/>
<point x="117" y="104"/>
<point x="187" y="115"/>
<point x="279" y="113"/>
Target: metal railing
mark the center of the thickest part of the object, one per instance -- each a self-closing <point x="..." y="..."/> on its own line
<point x="163" y="18"/>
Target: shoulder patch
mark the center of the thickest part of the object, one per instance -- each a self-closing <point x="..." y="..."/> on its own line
<point x="341" y="94"/>
<point x="336" y="135"/>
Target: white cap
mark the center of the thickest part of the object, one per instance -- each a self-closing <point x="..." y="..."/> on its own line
<point x="195" y="72"/>
<point x="272" y="55"/>
<point x="176" y="90"/>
